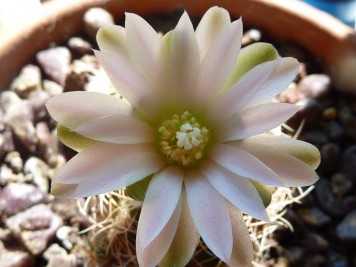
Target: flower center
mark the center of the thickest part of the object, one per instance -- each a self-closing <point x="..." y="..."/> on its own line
<point x="182" y="139"/>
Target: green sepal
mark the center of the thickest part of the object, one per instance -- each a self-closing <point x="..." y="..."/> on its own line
<point x="249" y="57"/>
<point x="72" y="139"/>
<point x="264" y="191"/>
<point x="138" y="190"/>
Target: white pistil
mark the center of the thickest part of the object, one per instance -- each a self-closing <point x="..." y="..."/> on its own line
<point x="188" y="136"/>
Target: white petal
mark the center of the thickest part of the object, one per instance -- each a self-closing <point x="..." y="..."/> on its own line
<point x="214" y="21"/>
<point x="301" y="150"/>
<point x="160" y="201"/>
<point x="182" y="60"/>
<point x="185" y="240"/>
<point x="210" y="214"/>
<point x="242" y="252"/>
<point x="119" y="129"/>
<point x="155" y="251"/>
<point x="235" y="98"/>
<point x="128" y="82"/>
<point x="280" y="78"/>
<point x="103" y="167"/>
<point x="75" y="108"/>
<point x="218" y="63"/>
<point x="144" y="48"/>
<point x="292" y="171"/>
<point x="112" y="38"/>
<point x="238" y="190"/>
<point x="256" y="120"/>
<point x="244" y="164"/>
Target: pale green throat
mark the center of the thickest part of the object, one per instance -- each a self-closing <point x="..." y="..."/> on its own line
<point x="182" y="139"/>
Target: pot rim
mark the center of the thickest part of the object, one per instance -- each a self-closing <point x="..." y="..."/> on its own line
<point x="294" y="21"/>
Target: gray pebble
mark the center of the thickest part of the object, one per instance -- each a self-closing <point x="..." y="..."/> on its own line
<point x="55" y="63"/>
<point x="315" y="85"/>
<point x="94" y="19"/>
<point x="330" y="153"/>
<point x="36" y="227"/>
<point x="341" y="184"/>
<point x="52" y="88"/>
<point x="346" y="229"/>
<point x="17" y="197"/>
<point x="349" y="162"/>
<point x="314" y="216"/>
<point x="15" y="258"/>
<point x="38" y="170"/>
<point x="29" y="80"/>
<point x="14" y="161"/>
<point x="79" y="46"/>
<point x="57" y="256"/>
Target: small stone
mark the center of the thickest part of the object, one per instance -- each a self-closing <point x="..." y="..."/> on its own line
<point x="327" y="200"/>
<point x="37" y="101"/>
<point x="36" y="227"/>
<point x="251" y="36"/>
<point x="79" y="46"/>
<point x="315" y="85"/>
<point x="346" y="229"/>
<point x="314" y="137"/>
<point x="348" y="120"/>
<point x="314" y="216"/>
<point x="78" y="76"/>
<point x="9" y="99"/>
<point x="15" y="258"/>
<point x="291" y="94"/>
<point x="68" y="236"/>
<point x="18" y="197"/>
<point x="341" y="184"/>
<point x="295" y="256"/>
<point x="28" y="81"/>
<point x="38" y="171"/>
<point x="57" y="256"/>
<point x="14" y="161"/>
<point x="330" y="113"/>
<point x="315" y="243"/>
<point x="349" y="203"/>
<point x="349" y="162"/>
<point x="336" y="260"/>
<point x="52" y="88"/>
<point x="334" y="130"/>
<point x="6" y="142"/>
<point x="94" y="19"/>
<point x="55" y="63"/>
<point x="330" y="154"/>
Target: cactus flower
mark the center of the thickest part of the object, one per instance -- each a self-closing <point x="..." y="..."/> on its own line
<point x="189" y="129"/>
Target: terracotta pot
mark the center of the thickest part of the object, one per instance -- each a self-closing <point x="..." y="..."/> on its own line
<point x="289" y="20"/>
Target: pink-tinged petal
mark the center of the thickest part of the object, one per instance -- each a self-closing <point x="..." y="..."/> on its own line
<point x="242" y="252"/>
<point x="185" y="240"/>
<point x="236" y="189"/>
<point x="144" y="48"/>
<point x="292" y="171"/>
<point x="181" y="59"/>
<point x="256" y="120"/>
<point x="244" y="164"/>
<point x="75" y="108"/>
<point x="217" y="65"/>
<point x="160" y="201"/>
<point x="210" y="214"/>
<point x="105" y="167"/>
<point x="155" y="251"/>
<point x="214" y="21"/>
<point x="235" y="98"/>
<point x="112" y="39"/>
<point x="128" y="82"/>
<point x="280" y="78"/>
<point x="301" y="150"/>
<point x="118" y="129"/>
